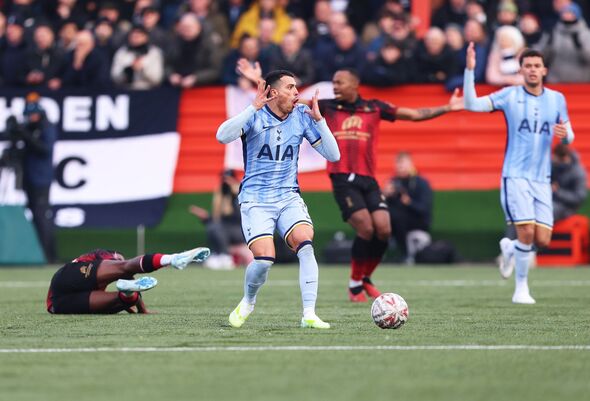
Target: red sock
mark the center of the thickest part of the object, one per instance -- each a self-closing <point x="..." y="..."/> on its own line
<point x="150" y="262"/>
<point x="357" y="269"/>
<point x="370" y="266"/>
<point x="129" y="299"/>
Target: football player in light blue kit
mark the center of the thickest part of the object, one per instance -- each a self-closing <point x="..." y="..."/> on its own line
<point x="534" y="114"/>
<point x="272" y="128"/>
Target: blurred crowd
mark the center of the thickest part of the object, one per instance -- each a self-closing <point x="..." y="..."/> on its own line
<point x="142" y="44"/>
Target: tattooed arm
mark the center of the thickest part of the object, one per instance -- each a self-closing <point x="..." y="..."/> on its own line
<point x="427" y="113"/>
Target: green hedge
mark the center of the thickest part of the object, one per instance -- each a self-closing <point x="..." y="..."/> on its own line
<point x="472" y="220"/>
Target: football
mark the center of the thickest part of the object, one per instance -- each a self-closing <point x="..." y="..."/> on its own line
<point x="389" y="311"/>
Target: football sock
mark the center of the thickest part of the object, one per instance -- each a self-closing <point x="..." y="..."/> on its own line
<point x="153" y="261"/>
<point x="522" y="254"/>
<point x="308" y="274"/>
<point x="355" y="283"/>
<point x="377" y="251"/>
<point x="356" y="289"/>
<point x="129" y="298"/>
<point x="256" y="274"/>
<point x="360" y="254"/>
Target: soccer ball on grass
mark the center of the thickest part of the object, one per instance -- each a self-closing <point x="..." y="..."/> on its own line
<point x="389" y="311"/>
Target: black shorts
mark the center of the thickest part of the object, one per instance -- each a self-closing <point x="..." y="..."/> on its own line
<point x="355" y="192"/>
<point x="71" y="286"/>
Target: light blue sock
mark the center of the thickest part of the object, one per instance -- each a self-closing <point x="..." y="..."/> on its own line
<point x="522" y="256"/>
<point x="256" y="274"/>
<point x="308" y="275"/>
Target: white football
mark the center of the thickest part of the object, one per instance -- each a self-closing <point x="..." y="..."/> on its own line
<point x="389" y="311"/>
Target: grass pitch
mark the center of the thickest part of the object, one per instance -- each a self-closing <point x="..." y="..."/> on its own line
<point x="464" y="340"/>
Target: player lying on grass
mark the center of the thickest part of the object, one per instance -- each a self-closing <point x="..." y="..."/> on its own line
<point x="80" y="285"/>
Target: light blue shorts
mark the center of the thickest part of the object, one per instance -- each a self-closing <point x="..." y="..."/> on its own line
<point x="259" y="220"/>
<point x="526" y="202"/>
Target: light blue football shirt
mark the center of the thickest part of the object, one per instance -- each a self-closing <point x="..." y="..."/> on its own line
<point x="271" y="151"/>
<point x="529" y="121"/>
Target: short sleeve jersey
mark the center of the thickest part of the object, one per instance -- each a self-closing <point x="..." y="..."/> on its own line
<point x="356" y="129"/>
<point x="271" y="151"/>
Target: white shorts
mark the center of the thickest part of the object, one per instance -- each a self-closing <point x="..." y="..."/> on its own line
<point x="526" y="202"/>
<point x="259" y="220"/>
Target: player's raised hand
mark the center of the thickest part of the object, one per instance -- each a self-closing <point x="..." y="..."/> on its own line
<point x="315" y="108"/>
<point x="251" y="72"/>
<point x="456" y="101"/>
<point x="559" y="129"/>
<point x="262" y="97"/>
<point x="470" y="58"/>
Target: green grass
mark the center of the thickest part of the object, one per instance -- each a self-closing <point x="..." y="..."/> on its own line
<point x="448" y="306"/>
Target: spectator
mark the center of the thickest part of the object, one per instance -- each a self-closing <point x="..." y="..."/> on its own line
<point x="233" y="10"/>
<point x="403" y="34"/>
<point x="45" y="59"/>
<point x="2" y="25"/>
<point x="474" y="31"/>
<point x="567" y="47"/>
<point x="454" y="39"/>
<point x="39" y="137"/>
<point x="67" y="10"/>
<point x="299" y="29"/>
<point x="103" y="36"/>
<point x="348" y="53"/>
<point x="409" y="198"/>
<point x="13" y="53"/>
<point x="208" y="15"/>
<point x="111" y="11"/>
<point x="453" y="11"/>
<point x="530" y="28"/>
<point x="384" y="32"/>
<point x="248" y="50"/>
<point x="503" y="66"/>
<point x="390" y="67"/>
<point x="434" y="59"/>
<point x="290" y="56"/>
<point x="138" y="64"/>
<point x="194" y="60"/>
<point x="325" y="43"/>
<point x="319" y="26"/>
<point x="224" y="230"/>
<point x="67" y="35"/>
<point x="249" y="21"/>
<point x="475" y="10"/>
<point x="568" y="182"/>
<point x="266" y="29"/>
<point x="150" y="17"/>
<point x="507" y="14"/>
<point x="84" y="66"/>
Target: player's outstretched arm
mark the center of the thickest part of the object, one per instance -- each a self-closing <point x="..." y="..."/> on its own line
<point x="427" y="113"/>
<point x="231" y="129"/>
<point x="326" y="145"/>
<point x="472" y="102"/>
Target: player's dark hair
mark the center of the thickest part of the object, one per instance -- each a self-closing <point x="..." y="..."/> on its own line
<point x="530" y="53"/>
<point x="102" y="254"/>
<point x="351" y="71"/>
<point x="275" y="76"/>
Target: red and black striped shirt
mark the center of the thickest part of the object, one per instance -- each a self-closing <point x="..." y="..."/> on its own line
<point x="356" y="128"/>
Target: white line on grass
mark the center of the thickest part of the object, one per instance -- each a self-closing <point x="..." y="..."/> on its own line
<point x="304" y="348"/>
<point x="418" y="283"/>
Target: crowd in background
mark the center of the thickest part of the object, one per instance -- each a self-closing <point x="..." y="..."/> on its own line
<point x="142" y="44"/>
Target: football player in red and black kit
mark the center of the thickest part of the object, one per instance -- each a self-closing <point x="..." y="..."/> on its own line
<point x="355" y="124"/>
<point x="80" y="285"/>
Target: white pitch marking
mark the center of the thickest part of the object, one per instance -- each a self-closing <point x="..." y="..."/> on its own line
<point x="303" y="348"/>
